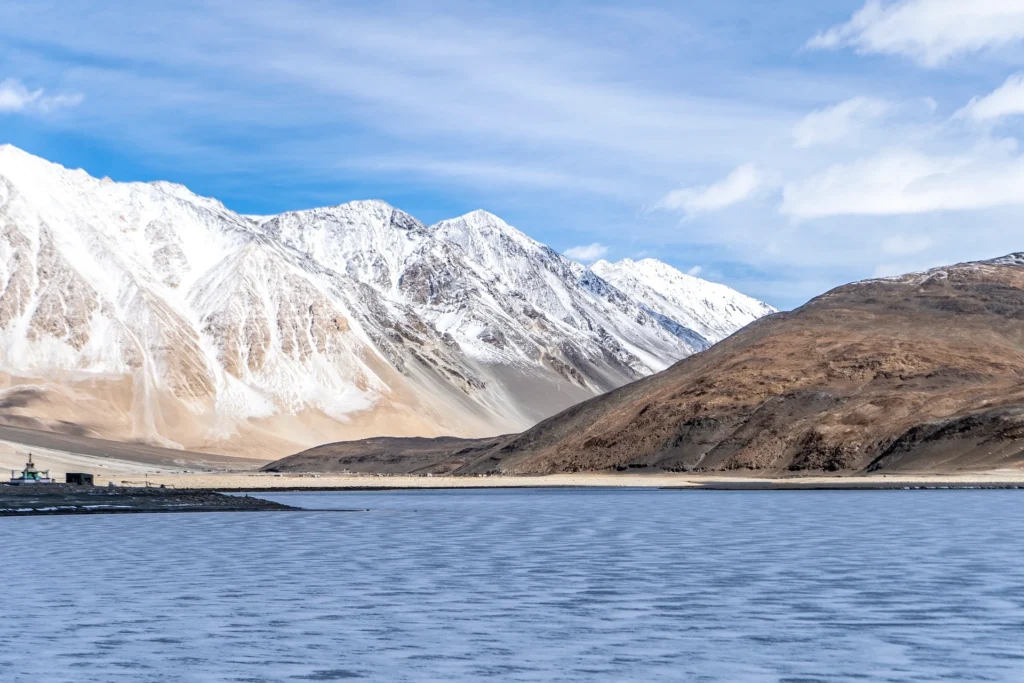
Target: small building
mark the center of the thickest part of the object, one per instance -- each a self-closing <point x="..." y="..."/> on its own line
<point x="30" y="475"/>
<point x="80" y="478"/>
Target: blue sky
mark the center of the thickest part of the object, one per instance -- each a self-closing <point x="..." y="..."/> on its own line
<point x="782" y="148"/>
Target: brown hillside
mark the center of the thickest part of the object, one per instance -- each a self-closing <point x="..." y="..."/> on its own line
<point x="923" y="372"/>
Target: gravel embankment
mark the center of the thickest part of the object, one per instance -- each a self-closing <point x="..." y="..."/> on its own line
<point x="61" y="499"/>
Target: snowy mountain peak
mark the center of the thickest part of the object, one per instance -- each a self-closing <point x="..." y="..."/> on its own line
<point x="652" y="266"/>
<point x="14" y="161"/>
<point x="355" y="213"/>
<point x="362" y="205"/>
<point x="482" y="216"/>
<point x="145" y="311"/>
<point x="713" y="310"/>
<point x="178" y="191"/>
<point x="661" y="269"/>
<point x="482" y="232"/>
<point x="478" y="221"/>
<point x="7" y="149"/>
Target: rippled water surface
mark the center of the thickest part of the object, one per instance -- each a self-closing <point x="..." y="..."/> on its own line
<point x="525" y="585"/>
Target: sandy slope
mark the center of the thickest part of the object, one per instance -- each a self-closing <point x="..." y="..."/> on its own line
<point x="107" y="460"/>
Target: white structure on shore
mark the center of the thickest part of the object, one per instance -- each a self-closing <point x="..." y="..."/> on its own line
<point x="30" y="475"/>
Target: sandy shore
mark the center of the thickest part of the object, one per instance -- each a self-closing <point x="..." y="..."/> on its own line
<point x="178" y="471"/>
<point x="264" y="481"/>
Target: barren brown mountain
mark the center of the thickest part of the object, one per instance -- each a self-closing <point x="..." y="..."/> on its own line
<point x="923" y="372"/>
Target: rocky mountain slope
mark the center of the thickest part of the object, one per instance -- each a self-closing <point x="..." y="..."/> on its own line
<point x="923" y="372"/>
<point x="141" y="311"/>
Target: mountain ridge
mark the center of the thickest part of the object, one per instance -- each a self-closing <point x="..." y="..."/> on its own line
<point x="916" y="373"/>
<point x="146" y="312"/>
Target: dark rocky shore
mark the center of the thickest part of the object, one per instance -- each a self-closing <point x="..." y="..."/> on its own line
<point x="61" y="499"/>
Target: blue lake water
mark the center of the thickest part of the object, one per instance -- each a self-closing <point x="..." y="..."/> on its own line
<point x="525" y="585"/>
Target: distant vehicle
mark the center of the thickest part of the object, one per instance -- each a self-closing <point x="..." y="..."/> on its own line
<point x="30" y="475"/>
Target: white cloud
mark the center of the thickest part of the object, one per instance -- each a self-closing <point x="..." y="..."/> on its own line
<point x="832" y="124"/>
<point x="587" y="253"/>
<point x="738" y="186"/>
<point x="55" y="102"/>
<point x="520" y="111"/>
<point x="490" y="174"/>
<point x="15" y="97"/>
<point x="1006" y="100"/>
<point x="903" y="245"/>
<point x="910" y="182"/>
<point x="695" y="271"/>
<point x="929" y="31"/>
<point x="503" y="83"/>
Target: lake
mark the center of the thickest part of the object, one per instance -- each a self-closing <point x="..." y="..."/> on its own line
<point x="525" y="585"/>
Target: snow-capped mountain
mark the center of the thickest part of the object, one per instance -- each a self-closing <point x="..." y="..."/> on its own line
<point x="143" y="311"/>
<point x="712" y="310"/>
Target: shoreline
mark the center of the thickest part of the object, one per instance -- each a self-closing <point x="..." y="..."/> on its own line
<point x="254" y="482"/>
<point x="128" y="466"/>
<point x="213" y="492"/>
<point x="690" y="486"/>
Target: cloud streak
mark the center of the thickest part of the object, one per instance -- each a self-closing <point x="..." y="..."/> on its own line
<point x="834" y="124"/>
<point x="1007" y="100"/>
<point x="931" y="32"/>
<point x="739" y="186"/>
<point x="415" y="76"/>
<point x="909" y="182"/>
<point x="588" y="253"/>
<point x="569" y="119"/>
<point x="16" y="98"/>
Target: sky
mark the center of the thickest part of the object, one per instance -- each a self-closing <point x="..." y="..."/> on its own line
<point x="781" y="148"/>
